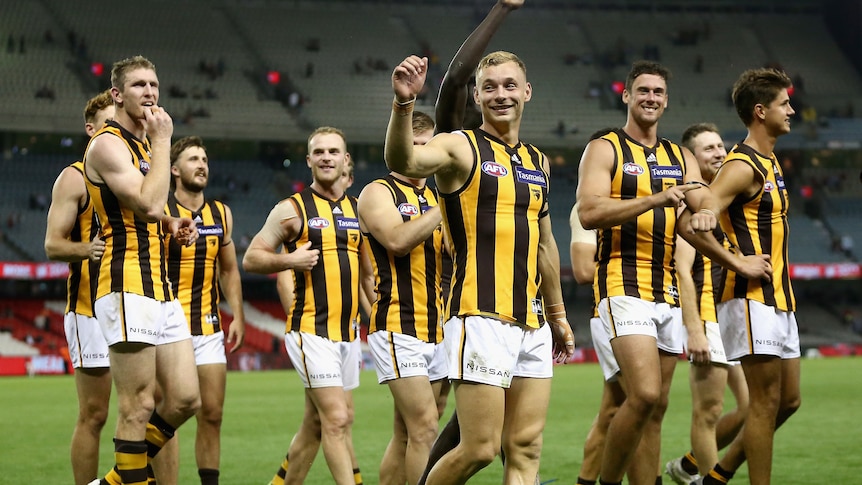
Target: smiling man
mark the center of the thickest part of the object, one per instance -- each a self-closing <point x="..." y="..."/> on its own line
<point x="631" y="183"/>
<point x="756" y="313"/>
<point x="500" y="320"/>
<point x="319" y="229"/>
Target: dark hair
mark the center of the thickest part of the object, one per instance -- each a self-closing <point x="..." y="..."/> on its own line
<point x="182" y="144"/>
<point x="757" y="86"/>
<point x="692" y="131"/>
<point x="646" y="67"/>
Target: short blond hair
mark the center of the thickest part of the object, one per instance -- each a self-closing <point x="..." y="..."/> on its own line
<point x="326" y="130"/>
<point x="121" y="68"/>
<point x="497" y="58"/>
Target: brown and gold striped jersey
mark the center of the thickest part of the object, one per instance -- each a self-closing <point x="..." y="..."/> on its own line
<point x="134" y="257"/>
<point x="493" y="223"/>
<point x="193" y="270"/>
<point x="636" y="258"/>
<point x="327" y="297"/>
<point x="759" y="226"/>
<point x="80" y="288"/>
<point x="408" y="287"/>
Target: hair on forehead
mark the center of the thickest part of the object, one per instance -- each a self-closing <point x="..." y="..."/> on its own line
<point x="696" y="129"/>
<point x="183" y="144"/>
<point x="422" y="122"/>
<point x="326" y="130"/>
<point x="497" y="58"/>
<point x="640" y="68"/>
<point x="122" y="68"/>
<point x="97" y="103"/>
<point x="757" y="86"/>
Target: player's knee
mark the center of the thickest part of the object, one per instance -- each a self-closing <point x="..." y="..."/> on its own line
<point x="425" y="430"/>
<point x="212" y="416"/>
<point x="644" y="400"/>
<point x="790" y="405"/>
<point x="335" y="423"/>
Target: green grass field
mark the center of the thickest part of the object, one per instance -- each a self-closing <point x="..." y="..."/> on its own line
<point x="263" y="410"/>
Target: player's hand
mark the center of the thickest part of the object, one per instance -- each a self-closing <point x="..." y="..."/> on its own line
<point x="702" y="221"/>
<point x="304" y="258"/>
<point x="183" y="229"/>
<point x="408" y="78"/>
<point x="158" y="123"/>
<point x="97" y="248"/>
<point x="674" y="196"/>
<point x="236" y="335"/>
<point x="511" y="4"/>
<point x="756" y="266"/>
<point x="698" y="348"/>
<point x="564" y="339"/>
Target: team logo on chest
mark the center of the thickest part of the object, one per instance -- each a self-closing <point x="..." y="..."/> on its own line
<point x="318" y="223"/>
<point x="666" y="172"/>
<point x="494" y="169"/>
<point x="407" y="209"/>
<point x="633" y="169"/>
<point x="527" y="176"/>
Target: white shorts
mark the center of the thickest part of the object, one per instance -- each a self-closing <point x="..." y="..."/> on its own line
<point x="749" y="327"/>
<point x="209" y="349"/>
<point x="488" y="351"/>
<point x="127" y="317"/>
<point x="713" y="338"/>
<point x="627" y="315"/>
<point x="87" y="346"/>
<point x="397" y="355"/>
<point x="602" y="345"/>
<point x="320" y="362"/>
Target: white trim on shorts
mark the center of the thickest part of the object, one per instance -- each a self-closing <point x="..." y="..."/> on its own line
<point x="749" y="327"/>
<point x="209" y="349"/>
<point x="128" y="317"/>
<point x="320" y="362"/>
<point x="488" y="351"/>
<point x="627" y="315"/>
<point x="87" y="346"/>
<point x="604" y="352"/>
<point x="397" y="355"/>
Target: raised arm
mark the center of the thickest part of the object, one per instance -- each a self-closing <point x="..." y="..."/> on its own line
<point x="597" y="209"/>
<point x="231" y="284"/>
<point x="399" y="152"/>
<point x="263" y="255"/>
<point x="379" y="217"/>
<point x="453" y="95"/>
<point x="66" y="199"/>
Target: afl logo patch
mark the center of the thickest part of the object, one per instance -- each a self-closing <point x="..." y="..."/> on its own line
<point x="768" y="186"/>
<point x="318" y="223"/>
<point x="494" y="169"/>
<point x="408" y="209"/>
<point x="633" y="169"/>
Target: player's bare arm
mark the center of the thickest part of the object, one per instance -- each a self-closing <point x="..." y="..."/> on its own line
<point x="735" y="179"/>
<point x="452" y="99"/>
<point x="231" y="284"/>
<point x="552" y="293"/>
<point x="109" y="161"/>
<point x="263" y="254"/>
<point x="698" y="346"/>
<point x="67" y="197"/>
<point x="597" y="210"/>
<point x="379" y="216"/>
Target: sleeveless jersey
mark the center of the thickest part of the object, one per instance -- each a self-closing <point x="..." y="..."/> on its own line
<point x="193" y="270"/>
<point x="493" y="223"/>
<point x="134" y="257"/>
<point x="636" y="258"/>
<point x="759" y="226"/>
<point x="408" y="287"/>
<point x="80" y="288"/>
<point x="327" y="297"/>
<point x="707" y="283"/>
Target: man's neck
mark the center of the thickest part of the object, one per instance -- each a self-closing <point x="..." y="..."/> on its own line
<point x="761" y="141"/>
<point x="135" y="127"/>
<point x="508" y="132"/>
<point x="332" y="192"/>
<point x="189" y="199"/>
<point x="645" y="135"/>
<point x="418" y="183"/>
